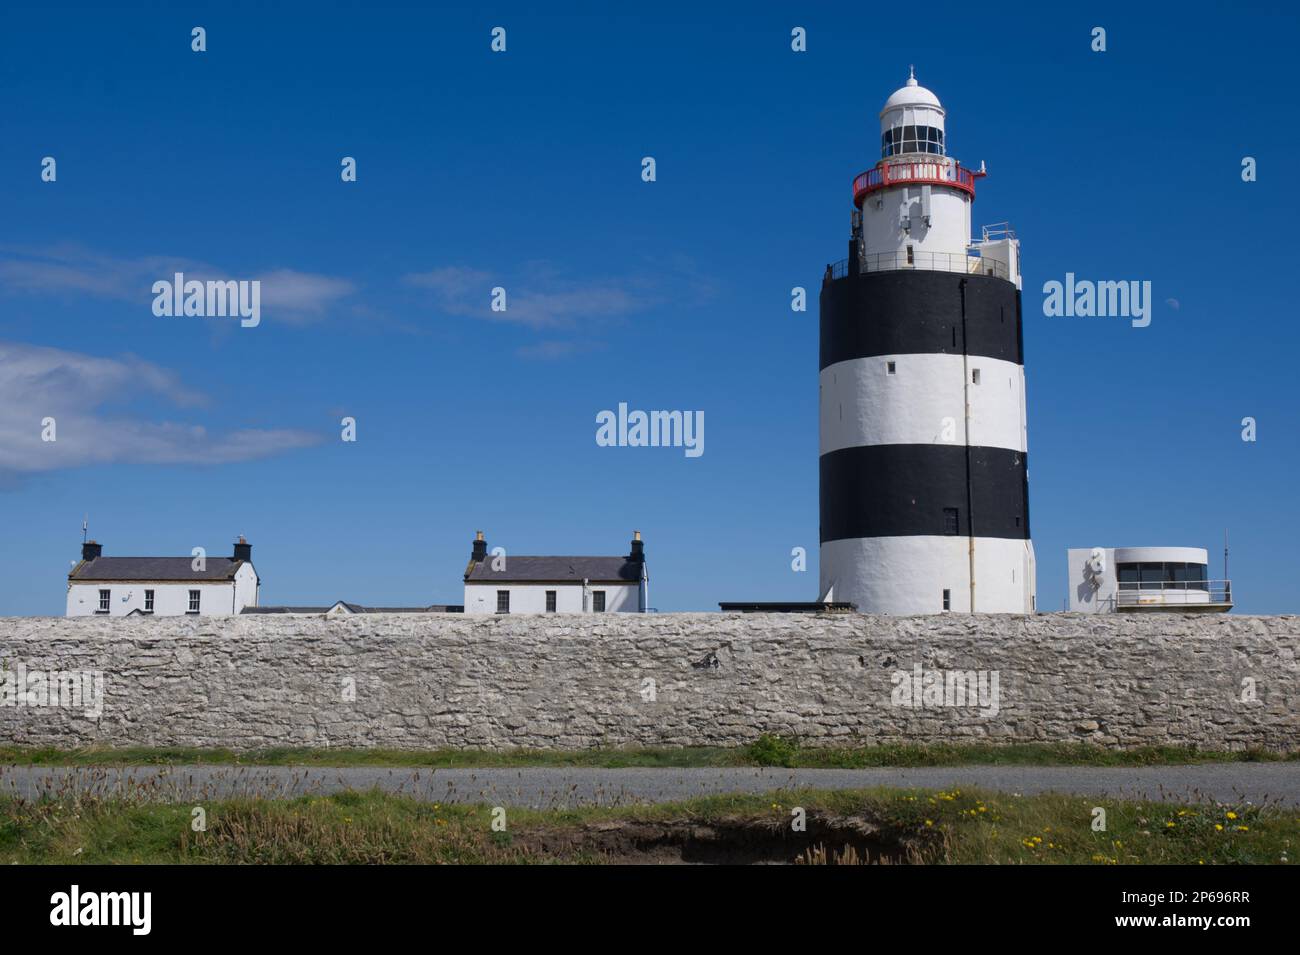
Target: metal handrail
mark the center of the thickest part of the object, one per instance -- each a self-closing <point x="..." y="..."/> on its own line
<point x="924" y="172"/>
<point x="925" y="262"/>
<point x="998" y="231"/>
<point x="1135" y="593"/>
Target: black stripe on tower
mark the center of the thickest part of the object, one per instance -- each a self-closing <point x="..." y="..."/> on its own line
<point x="919" y="313"/>
<point x="903" y="490"/>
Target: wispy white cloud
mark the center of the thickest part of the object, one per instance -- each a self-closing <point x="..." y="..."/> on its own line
<point x="69" y="269"/>
<point x="456" y="284"/>
<point x="572" y="313"/>
<point x="301" y="296"/>
<point x="540" y="300"/>
<point x="76" y="390"/>
<point x="551" y="349"/>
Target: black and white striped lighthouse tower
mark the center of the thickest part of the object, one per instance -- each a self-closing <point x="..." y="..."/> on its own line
<point x="924" y="481"/>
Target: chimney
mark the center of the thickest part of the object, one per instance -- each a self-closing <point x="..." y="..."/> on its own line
<point x="90" y="550"/>
<point x="479" y="552"/>
<point x="638" y="549"/>
<point x="243" y="550"/>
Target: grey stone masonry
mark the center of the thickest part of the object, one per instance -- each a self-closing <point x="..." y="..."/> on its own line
<point x="424" y="681"/>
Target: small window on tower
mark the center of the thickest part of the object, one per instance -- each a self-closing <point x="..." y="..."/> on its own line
<point x="950" y="523"/>
<point x="890" y="367"/>
<point x="947" y="600"/>
<point x="975" y="376"/>
<point x="911" y="256"/>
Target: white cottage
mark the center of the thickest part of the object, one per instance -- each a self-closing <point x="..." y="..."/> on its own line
<point x="162" y="586"/>
<point x="498" y="582"/>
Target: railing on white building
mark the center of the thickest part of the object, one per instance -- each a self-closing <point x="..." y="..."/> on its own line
<point x="1134" y="595"/>
<point x="923" y="261"/>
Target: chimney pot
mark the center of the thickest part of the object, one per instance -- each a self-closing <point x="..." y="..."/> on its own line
<point x="479" y="553"/>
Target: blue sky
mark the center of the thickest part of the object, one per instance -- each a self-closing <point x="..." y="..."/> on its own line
<point x="522" y="170"/>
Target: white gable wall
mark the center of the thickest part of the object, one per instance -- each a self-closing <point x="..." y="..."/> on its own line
<point x="246" y="587"/>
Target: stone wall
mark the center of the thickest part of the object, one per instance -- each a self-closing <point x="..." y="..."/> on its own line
<point x="718" y="679"/>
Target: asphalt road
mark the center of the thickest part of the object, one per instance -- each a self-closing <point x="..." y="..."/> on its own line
<point x="547" y="788"/>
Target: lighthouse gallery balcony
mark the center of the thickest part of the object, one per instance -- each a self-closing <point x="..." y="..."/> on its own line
<point x="930" y="173"/>
<point x="969" y="264"/>
<point x="943" y="173"/>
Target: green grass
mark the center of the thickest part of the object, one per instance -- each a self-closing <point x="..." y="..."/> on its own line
<point x="372" y="827"/>
<point x="767" y="751"/>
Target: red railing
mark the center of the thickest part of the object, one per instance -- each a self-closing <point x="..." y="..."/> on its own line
<point x="918" y="173"/>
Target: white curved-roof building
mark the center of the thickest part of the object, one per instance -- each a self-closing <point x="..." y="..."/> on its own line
<point x="1137" y="579"/>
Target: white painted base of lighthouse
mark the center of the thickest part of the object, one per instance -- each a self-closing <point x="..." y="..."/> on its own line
<point x="908" y="575"/>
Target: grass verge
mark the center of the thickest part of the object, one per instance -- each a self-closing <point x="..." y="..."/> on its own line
<point x="918" y="826"/>
<point x="766" y="751"/>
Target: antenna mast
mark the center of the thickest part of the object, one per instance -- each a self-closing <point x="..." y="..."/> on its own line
<point x="1225" y="555"/>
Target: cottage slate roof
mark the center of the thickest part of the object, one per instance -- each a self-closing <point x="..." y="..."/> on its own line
<point x="599" y="570"/>
<point x="155" y="568"/>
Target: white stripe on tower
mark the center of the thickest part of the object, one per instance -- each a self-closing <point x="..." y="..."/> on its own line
<point x="921" y="401"/>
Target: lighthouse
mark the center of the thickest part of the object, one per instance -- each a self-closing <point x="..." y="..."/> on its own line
<point x="923" y="467"/>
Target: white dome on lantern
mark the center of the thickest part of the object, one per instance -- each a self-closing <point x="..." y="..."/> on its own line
<point x="912" y="122"/>
<point x="911" y="94"/>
